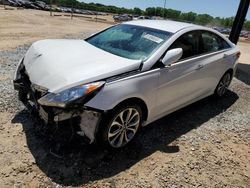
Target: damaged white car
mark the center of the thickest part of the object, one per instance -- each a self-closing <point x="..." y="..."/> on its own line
<point x="125" y="77"/>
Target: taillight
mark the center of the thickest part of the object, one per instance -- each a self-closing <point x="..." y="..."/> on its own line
<point x="238" y="54"/>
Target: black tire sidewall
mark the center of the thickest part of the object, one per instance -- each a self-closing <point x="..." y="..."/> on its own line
<point x="216" y="90"/>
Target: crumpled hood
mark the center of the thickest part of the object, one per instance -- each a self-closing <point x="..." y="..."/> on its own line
<point x="60" y="64"/>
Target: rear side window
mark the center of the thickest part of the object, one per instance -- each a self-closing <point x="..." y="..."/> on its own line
<point x="213" y="42"/>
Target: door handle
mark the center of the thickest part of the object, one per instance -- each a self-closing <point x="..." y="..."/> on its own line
<point x="199" y="67"/>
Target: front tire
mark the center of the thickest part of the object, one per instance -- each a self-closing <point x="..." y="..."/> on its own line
<point x="121" y="126"/>
<point x="223" y="85"/>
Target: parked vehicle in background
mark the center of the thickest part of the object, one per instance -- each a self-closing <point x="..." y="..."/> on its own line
<point x="13" y="3"/>
<point x="42" y="5"/>
<point x="77" y="11"/>
<point x="226" y="31"/>
<point x="124" y="77"/>
<point x="135" y="17"/>
<point x="245" y="34"/>
<point x="219" y="29"/>
<point x="65" y="9"/>
<point x="23" y="3"/>
<point x="143" y="18"/>
<point x="222" y="30"/>
<point x="122" y="17"/>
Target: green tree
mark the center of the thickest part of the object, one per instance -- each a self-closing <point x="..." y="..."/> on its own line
<point x="137" y="11"/>
<point x="247" y="25"/>
<point x="203" y="19"/>
<point x="159" y="11"/>
<point x="189" y="16"/>
<point x="150" y="11"/>
<point x="172" y="14"/>
<point x="228" y="22"/>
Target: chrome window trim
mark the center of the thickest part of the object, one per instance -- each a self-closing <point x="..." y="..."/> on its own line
<point x="204" y="55"/>
<point x="198" y="55"/>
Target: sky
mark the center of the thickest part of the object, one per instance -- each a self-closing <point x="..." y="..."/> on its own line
<point x="221" y="8"/>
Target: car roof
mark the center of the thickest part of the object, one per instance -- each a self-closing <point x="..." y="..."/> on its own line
<point x="165" y="25"/>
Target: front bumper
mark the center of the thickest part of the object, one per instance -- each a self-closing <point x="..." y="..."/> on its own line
<point x="30" y="93"/>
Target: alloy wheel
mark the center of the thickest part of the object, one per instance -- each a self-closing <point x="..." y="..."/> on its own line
<point x="123" y="127"/>
<point x="223" y="85"/>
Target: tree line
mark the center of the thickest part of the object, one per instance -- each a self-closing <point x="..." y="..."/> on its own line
<point x="192" y="17"/>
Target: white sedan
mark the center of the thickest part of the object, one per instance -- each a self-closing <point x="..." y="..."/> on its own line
<point x="125" y="77"/>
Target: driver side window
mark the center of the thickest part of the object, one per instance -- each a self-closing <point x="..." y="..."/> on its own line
<point x="189" y="44"/>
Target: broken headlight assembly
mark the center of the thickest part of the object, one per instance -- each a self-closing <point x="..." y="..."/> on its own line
<point x="73" y="96"/>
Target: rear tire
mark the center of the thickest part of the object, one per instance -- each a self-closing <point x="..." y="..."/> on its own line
<point x="223" y="85"/>
<point x="120" y="126"/>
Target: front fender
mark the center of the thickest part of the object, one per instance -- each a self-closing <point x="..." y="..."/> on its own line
<point x="142" y="85"/>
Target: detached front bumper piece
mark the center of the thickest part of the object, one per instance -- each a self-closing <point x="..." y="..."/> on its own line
<point x="89" y="121"/>
<point x="29" y="94"/>
<point x="89" y="124"/>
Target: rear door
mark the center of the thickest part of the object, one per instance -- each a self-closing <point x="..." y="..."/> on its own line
<point x="214" y="58"/>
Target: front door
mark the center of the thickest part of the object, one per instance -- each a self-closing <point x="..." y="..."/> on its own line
<point x="181" y="82"/>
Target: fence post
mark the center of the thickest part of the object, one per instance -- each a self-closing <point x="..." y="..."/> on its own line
<point x="50" y="7"/>
<point x="72" y="11"/>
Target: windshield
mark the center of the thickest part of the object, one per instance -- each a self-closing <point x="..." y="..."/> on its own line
<point x="129" y="41"/>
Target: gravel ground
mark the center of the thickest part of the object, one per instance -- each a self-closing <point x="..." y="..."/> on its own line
<point x="206" y="144"/>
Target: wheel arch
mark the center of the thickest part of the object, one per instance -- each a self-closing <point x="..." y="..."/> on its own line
<point x="230" y="71"/>
<point x="138" y="101"/>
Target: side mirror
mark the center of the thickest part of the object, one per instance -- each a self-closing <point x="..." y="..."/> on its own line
<point x="172" y="56"/>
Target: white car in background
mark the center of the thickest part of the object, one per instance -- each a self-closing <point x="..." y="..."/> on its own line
<point x="125" y="77"/>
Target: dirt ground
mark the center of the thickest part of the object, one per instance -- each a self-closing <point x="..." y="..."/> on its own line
<point x="245" y="52"/>
<point x="24" y="26"/>
<point x="206" y="144"/>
